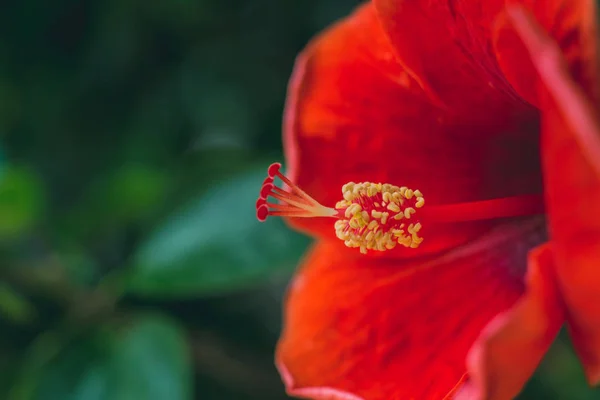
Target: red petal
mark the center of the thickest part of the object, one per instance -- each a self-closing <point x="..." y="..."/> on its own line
<point x="513" y="344"/>
<point x="452" y="58"/>
<point x="470" y="40"/>
<point x="571" y="131"/>
<point x="354" y="113"/>
<point x="572" y="25"/>
<point x="377" y="329"/>
<point x="573" y="193"/>
<point x="571" y="155"/>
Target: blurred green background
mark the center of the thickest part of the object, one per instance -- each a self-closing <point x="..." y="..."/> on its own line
<point x="133" y="140"/>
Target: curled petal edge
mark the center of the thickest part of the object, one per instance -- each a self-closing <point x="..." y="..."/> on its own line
<point x="519" y="337"/>
<point x="314" y="393"/>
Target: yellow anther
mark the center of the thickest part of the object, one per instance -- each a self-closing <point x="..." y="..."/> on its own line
<point x="409" y="211"/>
<point x="393" y="207"/>
<point x="348" y="187"/>
<point x="365" y="216"/>
<point x="384" y="217"/>
<point x="414" y="228"/>
<point x="387" y="196"/>
<point x="371" y="216"/>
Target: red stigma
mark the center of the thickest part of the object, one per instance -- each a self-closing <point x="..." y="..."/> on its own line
<point x="293" y="201"/>
<point x="262" y="212"/>
<point x="265" y="190"/>
<point x="273" y="170"/>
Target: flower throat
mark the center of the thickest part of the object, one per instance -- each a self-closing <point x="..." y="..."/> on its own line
<point x="380" y="216"/>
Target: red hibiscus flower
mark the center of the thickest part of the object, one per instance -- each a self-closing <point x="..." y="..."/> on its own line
<point x="454" y="118"/>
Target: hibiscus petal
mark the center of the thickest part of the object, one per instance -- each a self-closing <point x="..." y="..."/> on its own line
<point x="469" y="37"/>
<point x="571" y="24"/>
<point x="355" y="113"/>
<point x="513" y="344"/>
<point x="574" y="215"/>
<point x="571" y="155"/>
<point x="361" y="328"/>
<point x="453" y="57"/>
<point x="567" y="59"/>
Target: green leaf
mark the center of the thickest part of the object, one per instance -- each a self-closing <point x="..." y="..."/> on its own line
<point x="135" y="191"/>
<point x="144" y="360"/>
<point x="153" y="363"/>
<point x="21" y="201"/>
<point x="14" y="306"/>
<point x="216" y="244"/>
<point x="2" y="162"/>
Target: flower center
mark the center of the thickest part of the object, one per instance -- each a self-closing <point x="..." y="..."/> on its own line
<point x="380" y="216"/>
<point x="375" y="216"/>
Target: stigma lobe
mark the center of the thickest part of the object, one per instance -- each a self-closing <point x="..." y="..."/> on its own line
<point x="294" y="202"/>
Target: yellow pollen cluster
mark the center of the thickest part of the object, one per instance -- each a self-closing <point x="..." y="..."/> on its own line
<point x="375" y="216"/>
